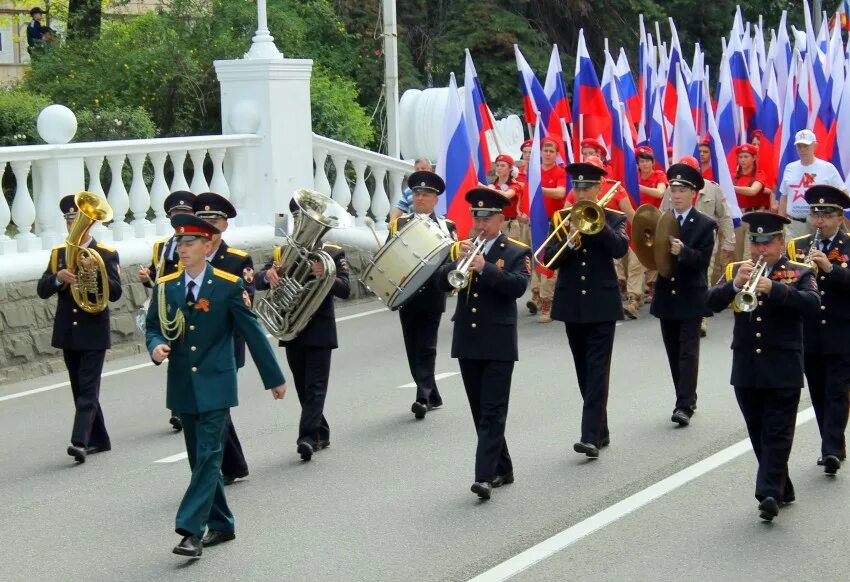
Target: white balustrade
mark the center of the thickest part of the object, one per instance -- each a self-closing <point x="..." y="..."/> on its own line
<point x="94" y="165"/>
<point x="23" y="208"/>
<point x="178" y="160"/>
<point x="7" y="245"/>
<point x="380" y="203"/>
<point x="360" y="198"/>
<point x="159" y="192"/>
<point x="118" y="198"/>
<point x="218" y="184"/>
<point x="320" y="180"/>
<point x="199" y="182"/>
<point x="140" y="199"/>
<point x="341" y="192"/>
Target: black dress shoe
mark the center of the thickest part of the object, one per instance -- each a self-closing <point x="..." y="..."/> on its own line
<point x="532" y="307"/>
<point x="433" y="405"/>
<point x="98" y="449"/>
<point x="831" y="464"/>
<point x="604" y="442"/>
<point x="418" y="409"/>
<point x="176" y="423"/>
<point x="190" y="546"/>
<point x="820" y="462"/>
<point x="681" y="417"/>
<point x="482" y="489"/>
<point x="323" y="444"/>
<point x="229" y="479"/>
<point x="587" y="448"/>
<point x="500" y="480"/>
<point x="213" y="538"/>
<point x="79" y="453"/>
<point x="768" y="509"/>
<point x="306" y="450"/>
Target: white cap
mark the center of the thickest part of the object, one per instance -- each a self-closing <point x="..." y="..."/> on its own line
<point x="805" y="137"/>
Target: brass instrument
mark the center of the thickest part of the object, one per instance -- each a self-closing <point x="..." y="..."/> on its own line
<point x="83" y="262"/>
<point x="652" y="232"/>
<point x="746" y="299"/>
<point x="288" y="308"/>
<point x="588" y="218"/>
<point x="459" y="277"/>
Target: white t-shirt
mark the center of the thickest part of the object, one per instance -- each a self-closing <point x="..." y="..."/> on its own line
<point x="799" y="178"/>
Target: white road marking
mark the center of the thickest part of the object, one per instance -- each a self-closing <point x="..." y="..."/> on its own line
<point x="173" y="458"/>
<point x="147" y="364"/>
<point x="442" y="376"/>
<point x="571" y="535"/>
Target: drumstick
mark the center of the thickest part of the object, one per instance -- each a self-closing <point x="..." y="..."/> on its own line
<point x="371" y="224"/>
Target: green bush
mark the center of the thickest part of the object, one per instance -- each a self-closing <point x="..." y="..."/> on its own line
<point x="114" y="123"/>
<point x="19" y="111"/>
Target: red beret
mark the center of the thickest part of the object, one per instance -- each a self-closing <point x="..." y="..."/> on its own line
<point x="589" y="142"/>
<point x="594" y="161"/>
<point x="644" y="151"/>
<point x="747" y="148"/>
<point x="757" y="133"/>
<point x="690" y="161"/>
<point x="526" y="144"/>
<point x="550" y="140"/>
<point x="505" y="158"/>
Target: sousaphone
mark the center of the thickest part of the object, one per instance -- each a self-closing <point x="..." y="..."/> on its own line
<point x="652" y="232"/>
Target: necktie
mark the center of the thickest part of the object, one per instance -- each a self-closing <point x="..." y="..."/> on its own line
<point x="824" y="244"/>
<point x="190" y="293"/>
<point x="681" y="219"/>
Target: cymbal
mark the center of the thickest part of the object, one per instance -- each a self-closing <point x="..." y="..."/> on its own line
<point x="644" y="225"/>
<point x="668" y="227"/>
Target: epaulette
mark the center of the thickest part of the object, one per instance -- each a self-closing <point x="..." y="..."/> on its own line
<point x="518" y="243"/>
<point x="278" y="251"/>
<point x="393" y="228"/>
<point x="170" y="276"/>
<point x="237" y="252"/>
<point x="106" y="248"/>
<point x="332" y="246"/>
<point x="798" y="265"/>
<point x="730" y="269"/>
<point x="225" y="275"/>
<point x="54" y="258"/>
<point x="791" y="247"/>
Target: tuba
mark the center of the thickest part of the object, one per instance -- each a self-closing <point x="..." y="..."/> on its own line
<point x="288" y="308"/>
<point x="86" y="264"/>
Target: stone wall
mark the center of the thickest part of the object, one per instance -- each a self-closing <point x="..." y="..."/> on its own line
<point x="26" y="321"/>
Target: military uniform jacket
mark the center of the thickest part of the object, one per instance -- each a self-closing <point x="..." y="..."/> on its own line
<point x="767" y="343"/>
<point x="428" y="298"/>
<point x="236" y="262"/>
<point x="321" y="331"/>
<point x="828" y="332"/>
<point x="73" y="328"/>
<point x="202" y="366"/>
<point x="711" y="202"/>
<point x="164" y="260"/>
<point x="587" y="290"/>
<point x="682" y="296"/>
<point x="486" y="316"/>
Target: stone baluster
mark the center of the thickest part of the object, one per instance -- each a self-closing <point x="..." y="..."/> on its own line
<point x="199" y="182"/>
<point x="23" y="209"/>
<point x="93" y="165"/>
<point x="178" y="160"/>
<point x="395" y="185"/>
<point x="360" y="198"/>
<point x="341" y="192"/>
<point x="380" y="202"/>
<point x="320" y="179"/>
<point x="118" y="198"/>
<point x="159" y="192"/>
<point x="7" y="245"/>
<point x="219" y="183"/>
<point x="140" y="199"/>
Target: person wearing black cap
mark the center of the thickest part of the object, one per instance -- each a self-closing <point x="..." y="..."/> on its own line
<point x="164" y="260"/>
<point x="191" y="323"/>
<point x="484" y="340"/>
<point x="35" y="31"/>
<point x="216" y="210"/>
<point x="587" y="300"/>
<point x="767" y="352"/>
<point x="309" y="353"/>
<point x="83" y="337"/>
<point x="679" y="300"/>
<point x="420" y="317"/>
<point x="827" y="335"/>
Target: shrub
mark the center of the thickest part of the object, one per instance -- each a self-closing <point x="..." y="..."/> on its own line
<point x="114" y="123"/>
<point x="19" y="111"/>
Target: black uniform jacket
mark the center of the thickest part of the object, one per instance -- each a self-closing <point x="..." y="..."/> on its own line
<point x="486" y="316"/>
<point x="428" y="298"/>
<point x="236" y="262"/>
<point x="829" y="331"/>
<point x="767" y="343"/>
<point x="587" y="290"/>
<point x="321" y="331"/>
<point x="682" y="296"/>
<point x="73" y="328"/>
<point x="164" y="260"/>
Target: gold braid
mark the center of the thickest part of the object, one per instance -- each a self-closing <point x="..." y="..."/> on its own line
<point x="172" y="329"/>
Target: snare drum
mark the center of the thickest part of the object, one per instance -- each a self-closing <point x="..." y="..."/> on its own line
<point x="406" y="262"/>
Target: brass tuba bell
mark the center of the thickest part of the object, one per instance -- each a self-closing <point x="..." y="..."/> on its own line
<point x="86" y="264"/>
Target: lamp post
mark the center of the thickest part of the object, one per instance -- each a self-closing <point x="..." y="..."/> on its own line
<point x="391" y="76"/>
<point x="262" y="45"/>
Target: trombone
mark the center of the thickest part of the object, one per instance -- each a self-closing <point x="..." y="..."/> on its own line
<point x="459" y="277"/>
<point x="745" y="299"/>
<point x="587" y="216"/>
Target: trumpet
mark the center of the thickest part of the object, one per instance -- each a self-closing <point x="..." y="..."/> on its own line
<point x="745" y="299"/>
<point x="459" y="277"/>
<point x="588" y="218"/>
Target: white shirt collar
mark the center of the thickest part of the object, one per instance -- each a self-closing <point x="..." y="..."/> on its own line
<point x="489" y="245"/>
<point x="199" y="280"/>
<point x="684" y="214"/>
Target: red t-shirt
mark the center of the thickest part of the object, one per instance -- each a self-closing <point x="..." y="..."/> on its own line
<point x="518" y="187"/>
<point x="554" y="177"/>
<point x="762" y="199"/>
<point x="707" y="173"/>
<point x="656" y="178"/>
<point x="614" y="203"/>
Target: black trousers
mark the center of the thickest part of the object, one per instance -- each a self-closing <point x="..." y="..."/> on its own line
<point x="419" y="329"/>
<point x="233" y="463"/>
<point x="311" y="368"/>
<point x="84" y="370"/>
<point x="770" y="416"/>
<point x="488" y="389"/>
<point x="592" y="345"/>
<point x="828" y="377"/>
<point x="681" y="340"/>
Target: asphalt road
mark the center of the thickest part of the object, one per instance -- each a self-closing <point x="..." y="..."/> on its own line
<point x="390" y="499"/>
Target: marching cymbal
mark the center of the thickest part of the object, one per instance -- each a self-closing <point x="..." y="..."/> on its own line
<point x="644" y="226"/>
<point x="667" y="227"/>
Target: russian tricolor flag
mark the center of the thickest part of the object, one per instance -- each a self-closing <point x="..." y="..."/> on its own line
<point x="745" y="97"/>
<point x="589" y="108"/>
<point x="477" y="115"/>
<point x="671" y="99"/>
<point x="626" y="86"/>
<point x="656" y="134"/>
<point x="555" y="89"/>
<point x="720" y="166"/>
<point x="795" y="114"/>
<point x="623" y="156"/>
<point x="841" y="152"/>
<point x="538" y="220"/>
<point x="768" y="123"/>
<point x="684" y="135"/>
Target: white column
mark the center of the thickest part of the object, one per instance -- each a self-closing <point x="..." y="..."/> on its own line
<point x="23" y="209"/>
<point x="320" y="179"/>
<point x="391" y="76"/>
<point x="218" y="183"/>
<point x="396" y="178"/>
<point x="140" y="199"/>
<point x="178" y="181"/>
<point x="360" y="198"/>
<point x="118" y="199"/>
<point x="380" y="203"/>
<point x="7" y="245"/>
<point x="199" y="182"/>
<point x="94" y="165"/>
<point x="341" y="192"/>
<point x="262" y="45"/>
<point x="159" y="192"/>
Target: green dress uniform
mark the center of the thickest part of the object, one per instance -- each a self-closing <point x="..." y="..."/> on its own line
<point x="202" y="382"/>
